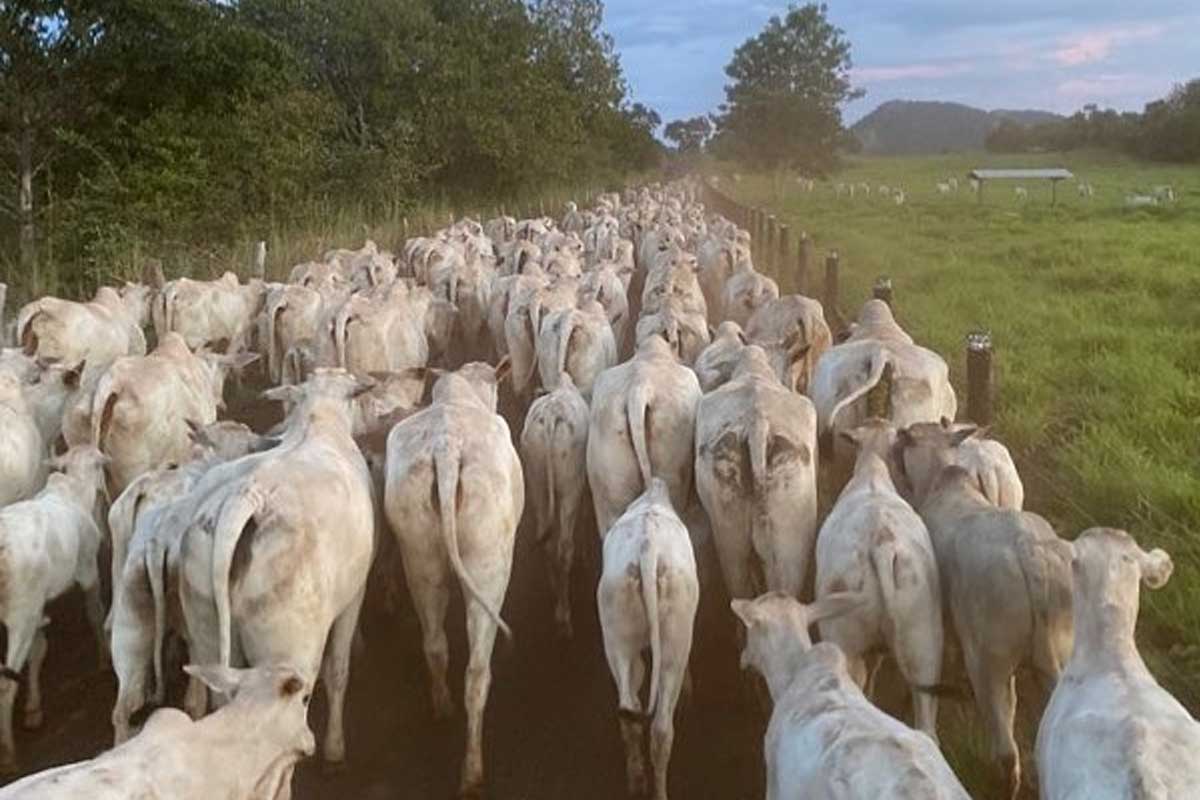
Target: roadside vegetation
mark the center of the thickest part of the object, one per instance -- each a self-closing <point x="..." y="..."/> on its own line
<point x="1093" y="310"/>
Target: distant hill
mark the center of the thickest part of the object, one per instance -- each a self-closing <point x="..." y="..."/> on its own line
<point x="903" y="127"/>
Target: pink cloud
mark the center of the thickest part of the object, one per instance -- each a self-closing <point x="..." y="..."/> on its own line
<point x="904" y="71"/>
<point x="1106" y="87"/>
<point x="1085" y="48"/>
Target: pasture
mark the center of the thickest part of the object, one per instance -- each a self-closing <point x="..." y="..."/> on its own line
<point x="1094" y="311"/>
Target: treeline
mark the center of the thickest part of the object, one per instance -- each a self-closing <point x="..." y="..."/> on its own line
<point x="127" y="124"/>
<point x="1167" y="130"/>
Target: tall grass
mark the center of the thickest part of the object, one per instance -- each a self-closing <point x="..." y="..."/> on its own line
<point x="320" y="226"/>
<point x="1095" y="311"/>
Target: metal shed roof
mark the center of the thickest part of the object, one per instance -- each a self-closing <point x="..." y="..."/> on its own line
<point x="1056" y="174"/>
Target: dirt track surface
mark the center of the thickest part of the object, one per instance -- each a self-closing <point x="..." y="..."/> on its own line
<point x="551" y="729"/>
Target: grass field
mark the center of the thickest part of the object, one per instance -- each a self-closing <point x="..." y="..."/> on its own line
<point x="1095" y="313"/>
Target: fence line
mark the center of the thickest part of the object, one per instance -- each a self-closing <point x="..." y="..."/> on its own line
<point x="771" y="246"/>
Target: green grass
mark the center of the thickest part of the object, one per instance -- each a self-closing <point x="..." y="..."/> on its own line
<point x="1095" y="313"/>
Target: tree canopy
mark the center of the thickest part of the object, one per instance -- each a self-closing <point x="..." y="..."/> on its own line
<point x="788" y="83"/>
<point x="689" y="135"/>
<point x="127" y="123"/>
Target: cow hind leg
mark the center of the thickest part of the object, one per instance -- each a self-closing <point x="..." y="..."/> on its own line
<point x="662" y="727"/>
<point x="431" y="597"/>
<point x="629" y="671"/>
<point x="994" y="685"/>
<point x="33" y="696"/>
<point x="481" y="634"/>
<point x="335" y="671"/>
<point x="564" y="557"/>
<point x="21" y="634"/>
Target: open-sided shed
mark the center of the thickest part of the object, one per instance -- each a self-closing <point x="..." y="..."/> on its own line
<point x="1053" y="175"/>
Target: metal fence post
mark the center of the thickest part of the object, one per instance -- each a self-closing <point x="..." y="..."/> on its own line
<point x="979" y="377"/>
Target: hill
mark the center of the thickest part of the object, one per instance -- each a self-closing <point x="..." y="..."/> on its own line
<point x="905" y="127"/>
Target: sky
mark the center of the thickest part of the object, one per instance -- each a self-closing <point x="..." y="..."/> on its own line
<point x="1055" y="55"/>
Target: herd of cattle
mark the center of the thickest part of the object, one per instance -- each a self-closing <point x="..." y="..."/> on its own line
<point x="643" y="362"/>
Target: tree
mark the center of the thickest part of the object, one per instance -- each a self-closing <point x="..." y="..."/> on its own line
<point x="689" y="135"/>
<point x="783" y="107"/>
<point x="45" y="47"/>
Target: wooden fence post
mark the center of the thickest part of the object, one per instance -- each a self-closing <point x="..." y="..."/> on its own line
<point x="832" y="264"/>
<point x="260" y="260"/>
<point x="879" y="398"/>
<point x="152" y="274"/>
<point x="784" y="251"/>
<point x="805" y="259"/>
<point x="883" y="289"/>
<point x="772" y="239"/>
<point x="979" y="377"/>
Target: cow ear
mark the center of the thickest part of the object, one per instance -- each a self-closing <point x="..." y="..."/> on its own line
<point x="834" y="605"/>
<point x="284" y="394"/>
<point x="72" y="376"/>
<point x="239" y="361"/>
<point x="224" y="680"/>
<point x="849" y="438"/>
<point x="1156" y="568"/>
<point x="744" y="610"/>
<point x="503" y="369"/>
<point x="962" y="434"/>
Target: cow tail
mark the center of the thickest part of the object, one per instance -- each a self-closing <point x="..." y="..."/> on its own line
<point x="156" y="564"/>
<point x="551" y="483"/>
<point x="103" y="403"/>
<point x="648" y="565"/>
<point x="274" y="354"/>
<point x="879" y="361"/>
<point x="564" y="342"/>
<point x="447" y="460"/>
<point x="637" y="406"/>
<point x="232" y="517"/>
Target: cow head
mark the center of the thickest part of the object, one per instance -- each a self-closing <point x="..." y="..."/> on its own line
<point x="1107" y="568"/>
<point x="271" y="702"/>
<point x="777" y="631"/>
<point x="925" y="449"/>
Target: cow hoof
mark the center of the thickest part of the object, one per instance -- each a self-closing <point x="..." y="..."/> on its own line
<point x="331" y="769"/>
<point x="33" y="720"/>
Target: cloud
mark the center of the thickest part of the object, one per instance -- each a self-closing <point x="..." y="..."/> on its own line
<point x="901" y="72"/>
<point x="1085" y="48"/>
<point x="1114" y="85"/>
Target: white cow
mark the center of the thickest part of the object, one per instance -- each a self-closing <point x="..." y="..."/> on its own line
<point x="745" y="292"/>
<point x="48" y="544"/>
<point x="716" y="363"/>
<point x="643" y="419"/>
<point x="604" y="285"/>
<point x="1022" y="193"/>
<point x="554" y="454"/>
<point x="142" y="404"/>
<point x="875" y="544"/>
<point x="147" y="523"/>
<point x="1006" y="580"/>
<point x="247" y="750"/>
<point x="756" y="475"/>
<point x="98" y="332"/>
<point x="795" y="326"/>
<point x="647" y="599"/>
<point x="207" y="312"/>
<point x="929" y="446"/>
<point x="577" y="342"/>
<point x="686" y="332"/>
<point x="301" y="520"/>
<point x="825" y="739"/>
<point x="22" y="449"/>
<point x="454" y="496"/>
<point x="920" y="386"/>
<point x="1110" y="732"/>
